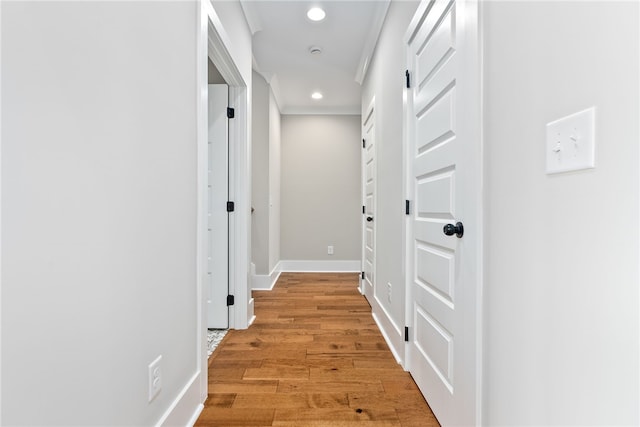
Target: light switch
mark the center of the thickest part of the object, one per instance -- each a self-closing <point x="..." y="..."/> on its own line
<point x="571" y="142"/>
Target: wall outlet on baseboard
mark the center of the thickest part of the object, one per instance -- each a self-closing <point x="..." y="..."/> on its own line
<point x="155" y="378"/>
<point x="330" y="250"/>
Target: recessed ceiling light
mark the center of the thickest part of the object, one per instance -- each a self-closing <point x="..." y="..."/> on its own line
<point x="316" y="95"/>
<point x="316" y="14"/>
<point x="315" y="50"/>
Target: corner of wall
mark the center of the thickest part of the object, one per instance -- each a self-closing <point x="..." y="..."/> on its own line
<point x="266" y="282"/>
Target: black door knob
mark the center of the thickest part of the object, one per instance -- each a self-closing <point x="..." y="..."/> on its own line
<point x="451" y="229"/>
<point x="369" y="218"/>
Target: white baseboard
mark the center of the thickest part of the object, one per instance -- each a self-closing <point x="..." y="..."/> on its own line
<point x="392" y="343"/>
<point x="186" y="408"/>
<point x="265" y="282"/>
<point x="339" y="266"/>
<point x="195" y="416"/>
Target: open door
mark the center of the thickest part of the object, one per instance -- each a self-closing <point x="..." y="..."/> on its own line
<point x="218" y="216"/>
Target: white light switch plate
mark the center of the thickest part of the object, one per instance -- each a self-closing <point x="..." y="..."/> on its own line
<point x="571" y="142"/>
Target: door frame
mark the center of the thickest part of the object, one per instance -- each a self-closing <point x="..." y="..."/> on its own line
<point x="475" y="17"/>
<point x="213" y="42"/>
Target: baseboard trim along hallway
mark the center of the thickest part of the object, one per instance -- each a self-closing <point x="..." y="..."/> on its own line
<point x="319" y="266"/>
<point x="313" y="357"/>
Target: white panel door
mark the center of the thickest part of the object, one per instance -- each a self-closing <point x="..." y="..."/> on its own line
<point x="369" y="241"/>
<point x="218" y="217"/>
<point x="444" y="176"/>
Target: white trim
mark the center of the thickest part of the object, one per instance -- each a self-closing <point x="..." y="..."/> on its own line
<point x="481" y="217"/>
<point x="240" y="225"/>
<point x="387" y="339"/>
<point x="387" y="325"/>
<point x="407" y="105"/>
<point x="266" y="282"/>
<point x="253" y="317"/>
<point x="182" y="410"/>
<point x="202" y="17"/>
<point x="219" y="51"/>
<point x="349" y="110"/>
<point x="218" y="48"/>
<point x="392" y="323"/>
<point x="195" y="416"/>
<point x="253" y="19"/>
<point x="377" y="22"/>
<point x="214" y="43"/>
<point x="0" y="213"/>
<point x="320" y="266"/>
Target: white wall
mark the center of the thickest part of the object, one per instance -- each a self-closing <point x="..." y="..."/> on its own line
<point x="320" y="199"/>
<point x="98" y="210"/>
<point x="213" y="74"/>
<point x="275" y="139"/>
<point x="384" y="80"/>
<point x="260" y="175"/>
<point x="266" y="178"/>
<point x="561" y="287"/>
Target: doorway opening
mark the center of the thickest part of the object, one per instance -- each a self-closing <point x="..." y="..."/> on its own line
<point x="214" y="46"/>
<point x="217" y="209"/>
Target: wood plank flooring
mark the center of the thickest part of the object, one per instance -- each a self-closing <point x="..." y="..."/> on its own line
<point x="313" y="357"/>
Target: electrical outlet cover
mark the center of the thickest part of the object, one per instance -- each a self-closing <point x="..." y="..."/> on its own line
<point x="155" y="378"/>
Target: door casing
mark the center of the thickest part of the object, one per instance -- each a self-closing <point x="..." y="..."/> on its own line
<point x="214" y="43"/>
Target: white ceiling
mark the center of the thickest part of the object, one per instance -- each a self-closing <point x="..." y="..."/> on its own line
<point x="282" y="36"/>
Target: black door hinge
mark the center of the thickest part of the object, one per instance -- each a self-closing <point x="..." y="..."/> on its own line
<point x="407" y="207"/>
<point x="362" y="275"/>
<point x="362" y="209"/>
<point x="406" y="334"/>
<point x="231" y="206"/>
<point x="364" y="143"/>
<point x="231" y="113"/>
<point x="230" y="300"/>
<point x="408" y="76"/>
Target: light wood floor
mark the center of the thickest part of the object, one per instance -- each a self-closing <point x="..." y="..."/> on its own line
<point x="313" y="357"/>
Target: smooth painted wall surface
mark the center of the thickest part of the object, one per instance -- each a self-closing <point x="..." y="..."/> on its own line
<point x="98" y="209"/>
<point x="382" y="82"/>
<point x="561" y="288"/>
<point x="265" y="178"/>
<point x="213" y="75"/>
<point x="320" y="203"/>
<point x="260" y="175"/>
<point x="275" y="140"/>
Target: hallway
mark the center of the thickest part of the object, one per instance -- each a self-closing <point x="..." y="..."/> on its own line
<point x="313" y="357"/>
